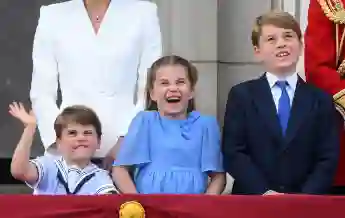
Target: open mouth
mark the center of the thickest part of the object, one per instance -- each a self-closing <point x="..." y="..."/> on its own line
<point x="173" y="99"/>
<point x="282" y="54"/>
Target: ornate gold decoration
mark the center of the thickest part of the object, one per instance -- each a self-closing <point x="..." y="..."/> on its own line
<point x="334" y="11"/>
<point x="132" y="209"/>
<point x="339" y="99"/>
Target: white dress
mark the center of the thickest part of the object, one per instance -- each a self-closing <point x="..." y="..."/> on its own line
<point x="105" y="71"/>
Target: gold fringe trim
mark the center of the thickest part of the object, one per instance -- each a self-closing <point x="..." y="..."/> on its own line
<point x="339" y="100"/>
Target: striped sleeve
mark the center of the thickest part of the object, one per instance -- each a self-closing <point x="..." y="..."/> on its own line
<point x="106" y="189"/>
<point x="42" y="165"/>
<point x="105" y="184"/>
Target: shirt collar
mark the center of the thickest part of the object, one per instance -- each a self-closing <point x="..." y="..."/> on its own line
<point x="291" y="79"/>
<point x="61" y="163"/>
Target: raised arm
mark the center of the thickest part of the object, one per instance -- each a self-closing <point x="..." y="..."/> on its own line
<point x="44" y="85"/>
<point x="21" y="167"/>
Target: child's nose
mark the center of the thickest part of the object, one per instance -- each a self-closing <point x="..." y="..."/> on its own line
<point x="173" y="88"/>
<point x="281" y="43"/>
<point x="81" y="137"/>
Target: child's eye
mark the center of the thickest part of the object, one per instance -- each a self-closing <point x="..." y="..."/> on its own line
<point x="88" y="132"/>
<point x="72" y="132"/>
<point x="181" y="82"/>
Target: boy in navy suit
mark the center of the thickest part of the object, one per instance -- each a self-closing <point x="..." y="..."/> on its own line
<point x="280" y="134"/>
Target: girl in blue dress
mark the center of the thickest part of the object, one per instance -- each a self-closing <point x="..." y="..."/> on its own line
<point x="173" y="148"/>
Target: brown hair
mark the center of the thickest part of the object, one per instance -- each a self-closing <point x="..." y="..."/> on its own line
<point x="279" y="19"/>
<point x="192" y="75"/>
<point x="77" y="114"/>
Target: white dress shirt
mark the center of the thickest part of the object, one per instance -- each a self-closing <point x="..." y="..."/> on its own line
<point x="291" y="79"/>
<point x="104" y="71"/>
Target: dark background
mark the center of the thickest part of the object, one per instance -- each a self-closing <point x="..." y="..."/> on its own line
<point x="18" y="21"/>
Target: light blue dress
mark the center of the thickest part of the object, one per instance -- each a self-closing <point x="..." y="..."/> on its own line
<point x="171" y="156"/>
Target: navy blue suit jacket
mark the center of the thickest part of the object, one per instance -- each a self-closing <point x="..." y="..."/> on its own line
<point x="260" y="158"/>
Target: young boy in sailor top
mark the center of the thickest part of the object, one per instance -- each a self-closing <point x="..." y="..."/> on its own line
<point x="78" y="132"/>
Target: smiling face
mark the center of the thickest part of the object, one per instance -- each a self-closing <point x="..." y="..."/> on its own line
<point x="276" y="38"/>
<point x="279" y="49"/>
<point x="172" y="90"/>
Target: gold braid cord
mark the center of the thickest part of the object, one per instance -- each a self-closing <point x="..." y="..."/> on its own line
<point x="335" y="12"/>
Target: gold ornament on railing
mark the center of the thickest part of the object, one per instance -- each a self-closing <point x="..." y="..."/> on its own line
<point x="132" y="209"/>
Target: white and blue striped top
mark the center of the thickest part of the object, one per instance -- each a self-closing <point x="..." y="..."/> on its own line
<point x="56" y="178"/>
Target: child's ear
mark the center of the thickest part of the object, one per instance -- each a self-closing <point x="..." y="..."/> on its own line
<point x="152" y="95"/>
<point x="257" y="52"/>
<point x="192" y="94"/>
<point x="301" y="48"/>
<point x="56" y="144"/>
<point x="98" y="144"/>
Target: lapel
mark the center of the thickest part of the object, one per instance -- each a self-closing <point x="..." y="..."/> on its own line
<point x="264" y="102"/>
<point x="83" y="21"/>
<point x="62" y="168"/>
<point x="113" y="17"/>
<point x="301" y="107"/>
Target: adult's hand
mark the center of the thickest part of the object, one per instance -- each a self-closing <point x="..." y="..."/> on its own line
<point x="108" y="160"/>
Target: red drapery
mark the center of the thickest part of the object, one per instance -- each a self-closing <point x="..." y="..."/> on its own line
<point x="173" y="206"/>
